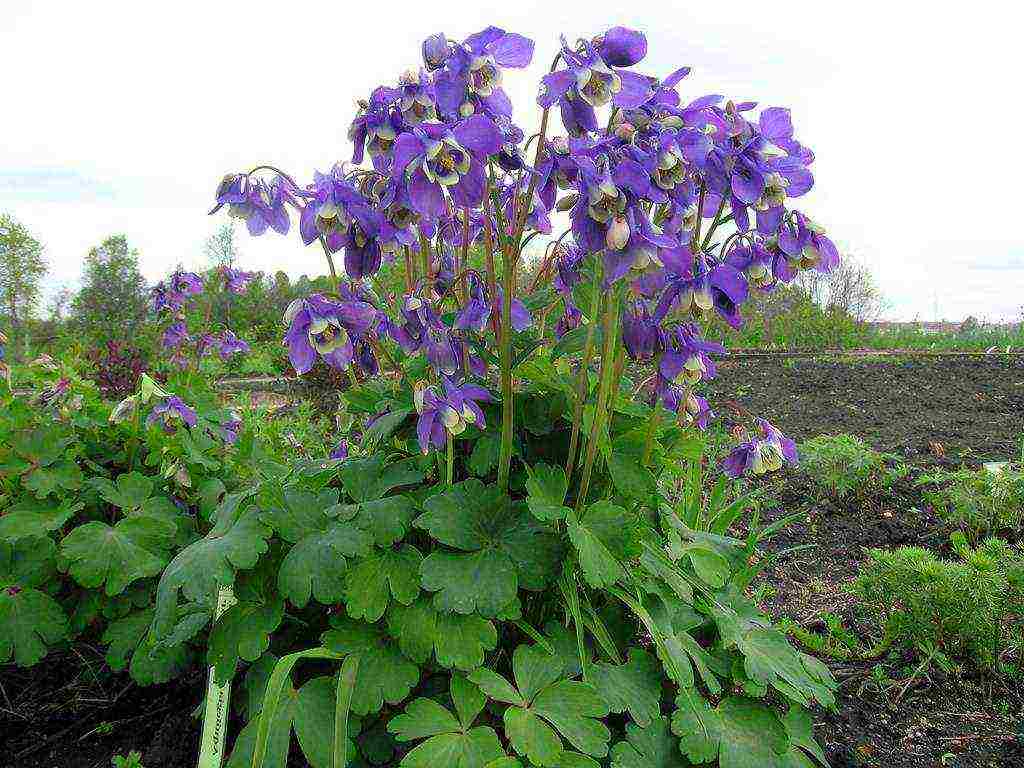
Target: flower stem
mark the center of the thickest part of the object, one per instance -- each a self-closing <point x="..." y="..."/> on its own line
<point x="652" y="430"/>
<point x="507" y="404"/>
<point x="608" y="365"/>
<point x="583" y="380"/>
<point x="451" y="458"/>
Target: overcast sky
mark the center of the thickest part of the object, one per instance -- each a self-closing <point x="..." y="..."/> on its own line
<point x="122" y="117"/>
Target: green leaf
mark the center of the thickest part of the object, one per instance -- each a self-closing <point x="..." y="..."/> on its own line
<point x="130" y="645"/>
<point x="237" y="540"/>
<point x="800" y="728"/>
<point x="574" y="341"/>
<point x="743" y="733"/>
<point x="99" y="554"/>
<point x="27" y="563"/>
<point x="651" y="746"/>
<point x="541" y="700"/>
<point x="385" y="575"/>
<point x="449" y="741"/>
<point x="242" y="631"/>
<point x="46" y="480"/>
<point x="414" y="627"/>
<point x="386" y="520"/>
<point x="483" y="581"/>
<point x="129" y="492"/>
<point x="296" y="513"/>
<point x="631" y="479"/>
<point x="710" y="566"/>
<point x="309" y="711"/>
<point x="384" y="673"/>
<point x="532" y="737"/>
<point x="484" y="457"/>
<point x="600" y="541"/>
<point x="316" y="566"/>
<point x="384" y="426"/>
<point x="369" y="479"/>
<point x="18" y="523"/>
<point x="698" y="726"/>
<point x="503" y="548"/>
<point x="461" y="641"/>
<point x="634" y="686"/>
<point x="546" y="489"/>
<point x="29" y="621"/>
<point x="574" y="709"/>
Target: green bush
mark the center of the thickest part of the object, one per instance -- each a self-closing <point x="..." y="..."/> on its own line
<point x="978" y="502"/>
<point x="969" y="608"/>
<point x="843" y="465"/>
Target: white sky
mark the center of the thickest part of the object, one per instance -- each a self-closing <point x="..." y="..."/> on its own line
<point x="122" y="116"/>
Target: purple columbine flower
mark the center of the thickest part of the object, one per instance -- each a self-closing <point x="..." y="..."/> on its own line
<point x="175" y="335"/>
<point x="697" y="288"/>
<point x="228" y="344"/>
<point x="170" y="413"/>
<point x="687" y="355"/>
<point x="236" y="280"/>
<point x="340" y="451"/>
<point x="260" y="203"/>
<point x="450" y="413"/>
<point x="434" y="158"/>
<point x="766" y="452"/>
<point x="470" y="76"/>
<point x="317" y="324"/>
<point x="229" y="429"/>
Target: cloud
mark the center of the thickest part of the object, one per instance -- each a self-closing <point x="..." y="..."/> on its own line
<point x="51" y="185"/>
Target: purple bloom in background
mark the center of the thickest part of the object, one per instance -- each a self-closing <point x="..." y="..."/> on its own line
<point x="229" y="429"/>
<point x="686" y="355"/>
<point x="228" y="344"/>
<point x="318" y="325"/>
<point x="170" y="413"/>
<point x="521" y="319"/>
<point x="172" y="294"/>
<point x="766" y="452"/>
<point x="340" y="451"/>
<point x="236" y="280"/>
<point x="435" y="51"/>
<point x="175" y="335"/>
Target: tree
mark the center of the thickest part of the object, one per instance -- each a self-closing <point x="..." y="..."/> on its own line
<point x="112" y="303"/>
<point x="220" y="248"/>
<point x="22" y="268"/>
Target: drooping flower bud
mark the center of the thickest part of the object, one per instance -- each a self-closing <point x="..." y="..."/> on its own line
<point x="435" y="51"/>
<point x="618" y="234"/>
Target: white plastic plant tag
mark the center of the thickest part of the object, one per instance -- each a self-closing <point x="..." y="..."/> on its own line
<point x="218" y="696"/>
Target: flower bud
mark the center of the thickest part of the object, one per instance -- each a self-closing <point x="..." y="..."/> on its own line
<point x="435" y="51"/>
<point x="124" y="410"/>
<point x="625" y="131"/>
<point x="618" y="234"/>
<point x="567" y="203"/>
<point x="466" y="109"/>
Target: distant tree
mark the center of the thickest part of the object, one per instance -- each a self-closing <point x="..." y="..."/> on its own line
<point x="112" y="303"/>
<point x="220" y="248"/>
<point x="22" y="268"/>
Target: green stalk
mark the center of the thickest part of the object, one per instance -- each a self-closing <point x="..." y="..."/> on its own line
<point x="451" y="457"/>
<point x="611" y="335"/>
<point x="582" y="382"/>
<point x="507" y="405"/>
<point x="652" y="429"/>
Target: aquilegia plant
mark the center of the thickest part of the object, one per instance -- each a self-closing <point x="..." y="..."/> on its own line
<point x="503" y="563"/>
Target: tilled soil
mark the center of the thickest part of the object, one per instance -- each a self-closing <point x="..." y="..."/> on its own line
<point x="68" y="712"/>
<point x="969" y="408"/>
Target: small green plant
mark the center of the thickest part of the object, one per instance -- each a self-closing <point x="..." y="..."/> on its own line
<point x="978" y="502"/>
<point x="969" y="608"/>
<point x="132" y="760"/>
<point x="841" y="465"/>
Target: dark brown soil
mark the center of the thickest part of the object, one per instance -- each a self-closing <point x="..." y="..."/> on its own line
<point x="69" y="713"/>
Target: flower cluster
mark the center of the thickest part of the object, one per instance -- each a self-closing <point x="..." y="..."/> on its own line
<point x="677" y="210"/>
